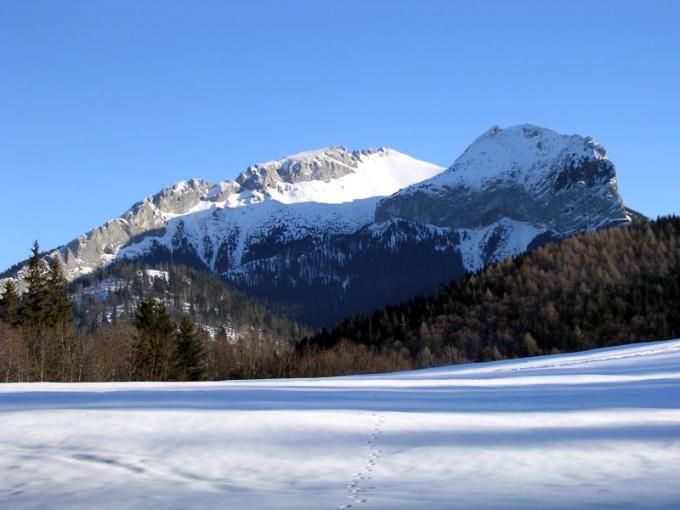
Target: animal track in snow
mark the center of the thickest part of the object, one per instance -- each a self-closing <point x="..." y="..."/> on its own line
<point x="358" y="488"/>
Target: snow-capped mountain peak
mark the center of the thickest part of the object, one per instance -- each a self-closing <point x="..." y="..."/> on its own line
<point x="335" y="175"/>
<point x="332" y="175"/>
<point x="525" y="153"/>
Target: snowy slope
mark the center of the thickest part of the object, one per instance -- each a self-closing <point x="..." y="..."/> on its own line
<point x="378" y="173"/>
<point x="598" y="429"/>
<point x="524" y="154"/>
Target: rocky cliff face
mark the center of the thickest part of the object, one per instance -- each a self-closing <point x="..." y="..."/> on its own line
<point x="325" y="165"/>
<point x="560" y="184"/>
<point x="147" y="218"/>
<point x="331" y="232"/>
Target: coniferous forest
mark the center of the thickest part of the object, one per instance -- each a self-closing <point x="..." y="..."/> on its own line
<point x="601" y="288"/>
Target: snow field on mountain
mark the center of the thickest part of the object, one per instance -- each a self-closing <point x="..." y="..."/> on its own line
<point x="341" y="205"/>
<point x="525" y="154"/>
<point x="377" y="175"/>
<point x="589" y="430"/>
<point x="516" y="238"/>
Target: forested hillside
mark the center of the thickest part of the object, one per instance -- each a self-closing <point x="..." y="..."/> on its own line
<point x="601" y="288"/>
<point x="112" y="294"/>
<point x="129" y="322"/>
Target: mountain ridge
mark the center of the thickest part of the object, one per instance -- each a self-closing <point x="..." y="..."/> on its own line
<point x="312" y="230"/>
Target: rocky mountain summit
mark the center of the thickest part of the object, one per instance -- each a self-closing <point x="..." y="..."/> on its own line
<point x="525" y="173"/>
<point x="330" y="232"/>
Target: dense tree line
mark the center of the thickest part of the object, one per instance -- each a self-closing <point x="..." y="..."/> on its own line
<point x="601" y="288"/>
<point x="39" y="341"/>
<point x="128" y="352"/>
<point x="45" y="317"/>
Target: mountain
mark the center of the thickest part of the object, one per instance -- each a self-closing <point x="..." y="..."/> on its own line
<point x="331" y="232"/>
<point x="220" y="226"/>
<point x="512" y="187"/>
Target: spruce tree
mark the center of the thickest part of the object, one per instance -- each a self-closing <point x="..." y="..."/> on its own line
<point x="35" y="299"/>
<point x="59" y="318"/>
<point x="10" y="303"/>
<point x="59" y="308"/>
<point x="154" y="341"/>
<point x="190" y="357"/>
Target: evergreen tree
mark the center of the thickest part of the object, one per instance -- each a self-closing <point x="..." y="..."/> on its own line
<point x="59" y="308"/>
<point x="35" y="299"/>
<point x="190" y="357"/>
<point x="154" y="341"/>
<point x="10" y="303"/>
<point x="34" y="315"/>
<point x="60" y="319"/>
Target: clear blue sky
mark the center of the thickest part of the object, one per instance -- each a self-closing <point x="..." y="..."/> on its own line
<point x="102" y="103"/>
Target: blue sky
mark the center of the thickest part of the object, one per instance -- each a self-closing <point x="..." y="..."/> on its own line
<point x="102" y="103"/>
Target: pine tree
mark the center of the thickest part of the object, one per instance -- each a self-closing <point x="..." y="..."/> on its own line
<point x="59" y="308"/>
<point x="10" y="304"/>
<point x="35" y="299"/>
<point x="190" y="357"/>
<point x="154" y="341"/>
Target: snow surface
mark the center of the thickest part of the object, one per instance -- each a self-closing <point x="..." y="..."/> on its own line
<point x="599" y="429"/>
<point x="378" y="175"/>
<point x="523" y="154"/>
<point x="515" y="238"/>
<point x="153" y="274"/>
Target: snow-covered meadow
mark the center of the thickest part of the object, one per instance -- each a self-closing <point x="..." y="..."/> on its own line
<point x="599" y="429"/>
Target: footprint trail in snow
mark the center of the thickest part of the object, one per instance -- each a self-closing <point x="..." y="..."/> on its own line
<point x="360" y="485"/>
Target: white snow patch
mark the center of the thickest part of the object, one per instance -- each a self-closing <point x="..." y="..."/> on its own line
<point x="522" y="154"/>
<point x="377" y="175"/>
<point x="514" y="238"/>
<point x="152" y="274"/>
